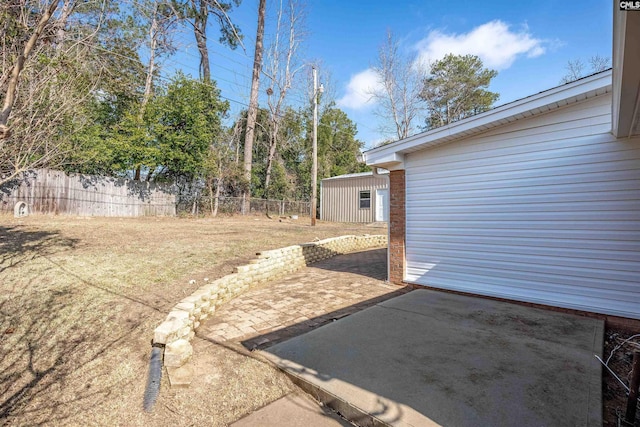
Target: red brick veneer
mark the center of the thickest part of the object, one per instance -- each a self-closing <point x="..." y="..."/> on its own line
<point x="397" y="227"/>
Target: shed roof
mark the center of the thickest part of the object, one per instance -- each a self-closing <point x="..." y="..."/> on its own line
<point x="352" y="175"/>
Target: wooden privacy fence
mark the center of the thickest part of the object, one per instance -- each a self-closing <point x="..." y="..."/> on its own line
<point x="48" y="191"/>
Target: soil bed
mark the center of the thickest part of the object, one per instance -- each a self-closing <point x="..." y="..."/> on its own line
<point x="613" y="393"/>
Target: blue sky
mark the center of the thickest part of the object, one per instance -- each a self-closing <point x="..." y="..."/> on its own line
<point x="528" y="43"/>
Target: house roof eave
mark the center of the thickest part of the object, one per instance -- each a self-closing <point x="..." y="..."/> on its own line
<point x="392" y="155"/>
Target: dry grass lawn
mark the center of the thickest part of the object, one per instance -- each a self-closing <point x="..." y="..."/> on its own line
<point x="79" y="299"/>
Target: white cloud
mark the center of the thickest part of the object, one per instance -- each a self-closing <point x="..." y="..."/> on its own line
<point x="494" y="42"/>
<point x="359" y="88"/>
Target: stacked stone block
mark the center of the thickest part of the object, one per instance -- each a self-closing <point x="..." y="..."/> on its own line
<point x="179" y="327"/>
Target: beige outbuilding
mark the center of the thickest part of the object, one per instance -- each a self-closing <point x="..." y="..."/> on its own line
<point x="356" y="197"/>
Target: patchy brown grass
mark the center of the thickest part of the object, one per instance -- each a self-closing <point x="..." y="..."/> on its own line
<point x="79" y="299"/>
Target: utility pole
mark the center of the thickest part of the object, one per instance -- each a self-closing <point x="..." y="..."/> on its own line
<point x="314" y="169"/>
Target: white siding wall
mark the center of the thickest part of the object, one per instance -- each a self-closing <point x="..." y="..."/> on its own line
<point x="340" y="198"/>
<point x="545" y="210"/>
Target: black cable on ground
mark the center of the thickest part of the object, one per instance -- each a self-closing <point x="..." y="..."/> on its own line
<point x="153" y="378"/>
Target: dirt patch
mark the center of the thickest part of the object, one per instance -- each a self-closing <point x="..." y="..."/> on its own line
<point x="613" y="393"/>
<point x="79" y="299"/>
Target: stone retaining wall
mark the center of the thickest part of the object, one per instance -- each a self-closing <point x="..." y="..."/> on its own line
<point x="179" y="327"/>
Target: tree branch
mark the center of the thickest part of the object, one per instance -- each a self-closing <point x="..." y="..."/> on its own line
<point x="10" y="96"/>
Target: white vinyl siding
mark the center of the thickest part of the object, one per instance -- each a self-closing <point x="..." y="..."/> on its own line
<point x="544" y="210"/>
<point x="340" y="198"/>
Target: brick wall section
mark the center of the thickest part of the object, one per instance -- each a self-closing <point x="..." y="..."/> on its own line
<point x="397" y="227"/>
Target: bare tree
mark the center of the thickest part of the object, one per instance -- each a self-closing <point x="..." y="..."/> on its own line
<point x="219" y="165"/>
<point x="281" y="68"/>
<point x="576" y="68"/>
<point x="44" y="107"/>
<point x="252" y="113"/>
<point x="400" y="79"/>
<point x="159" y="23"/>
<point x="18" y="66"/>
<point x="43" y="99"/>
<point x="599" y="63"/>
<point x="68" y="7"/>
<point x="63" y="71"/>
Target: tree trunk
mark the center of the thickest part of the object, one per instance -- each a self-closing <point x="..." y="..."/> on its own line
<point x="194" y="207"/>
<point x="237" y="151"/>
<point x="236" y="139"/>
<point x="61" y="33"/>
<point x="10" y="96"/>
<point x="271" y="156"/>
<point x="252" y="113"/>
<point x="200" y="32"/>
<point x="273" y="145"/>
<point x="153" y="44"/>
<point x="216" y="199"/>
<point x="210" y="188"/>
<point x="148" y="85"/>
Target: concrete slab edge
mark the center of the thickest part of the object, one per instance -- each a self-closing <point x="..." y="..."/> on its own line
<point x="343" y="408"/>
<point x="595" y="399"/>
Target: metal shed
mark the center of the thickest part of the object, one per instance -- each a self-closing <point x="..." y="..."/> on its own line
<point x="355" y="197"/>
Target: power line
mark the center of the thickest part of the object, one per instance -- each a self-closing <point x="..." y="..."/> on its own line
<point x="247" y="66"/>
<point x="169" y="80"/>
<point x="216" y="78"/>
<point x="161" y="77"/>
<point x="243" y="55"/>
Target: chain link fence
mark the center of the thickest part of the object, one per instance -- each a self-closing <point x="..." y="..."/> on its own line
<point x="234" y="206"/>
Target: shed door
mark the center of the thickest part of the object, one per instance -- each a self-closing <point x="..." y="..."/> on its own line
<point x="545" y="210"/>
<point x="382" y="205"/>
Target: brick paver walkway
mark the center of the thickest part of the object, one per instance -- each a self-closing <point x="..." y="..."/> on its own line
<point x="309" y="298"/>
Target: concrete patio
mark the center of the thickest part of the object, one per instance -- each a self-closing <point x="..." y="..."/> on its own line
<point x="432" y="358"/>
<point x="381" y="356"/>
